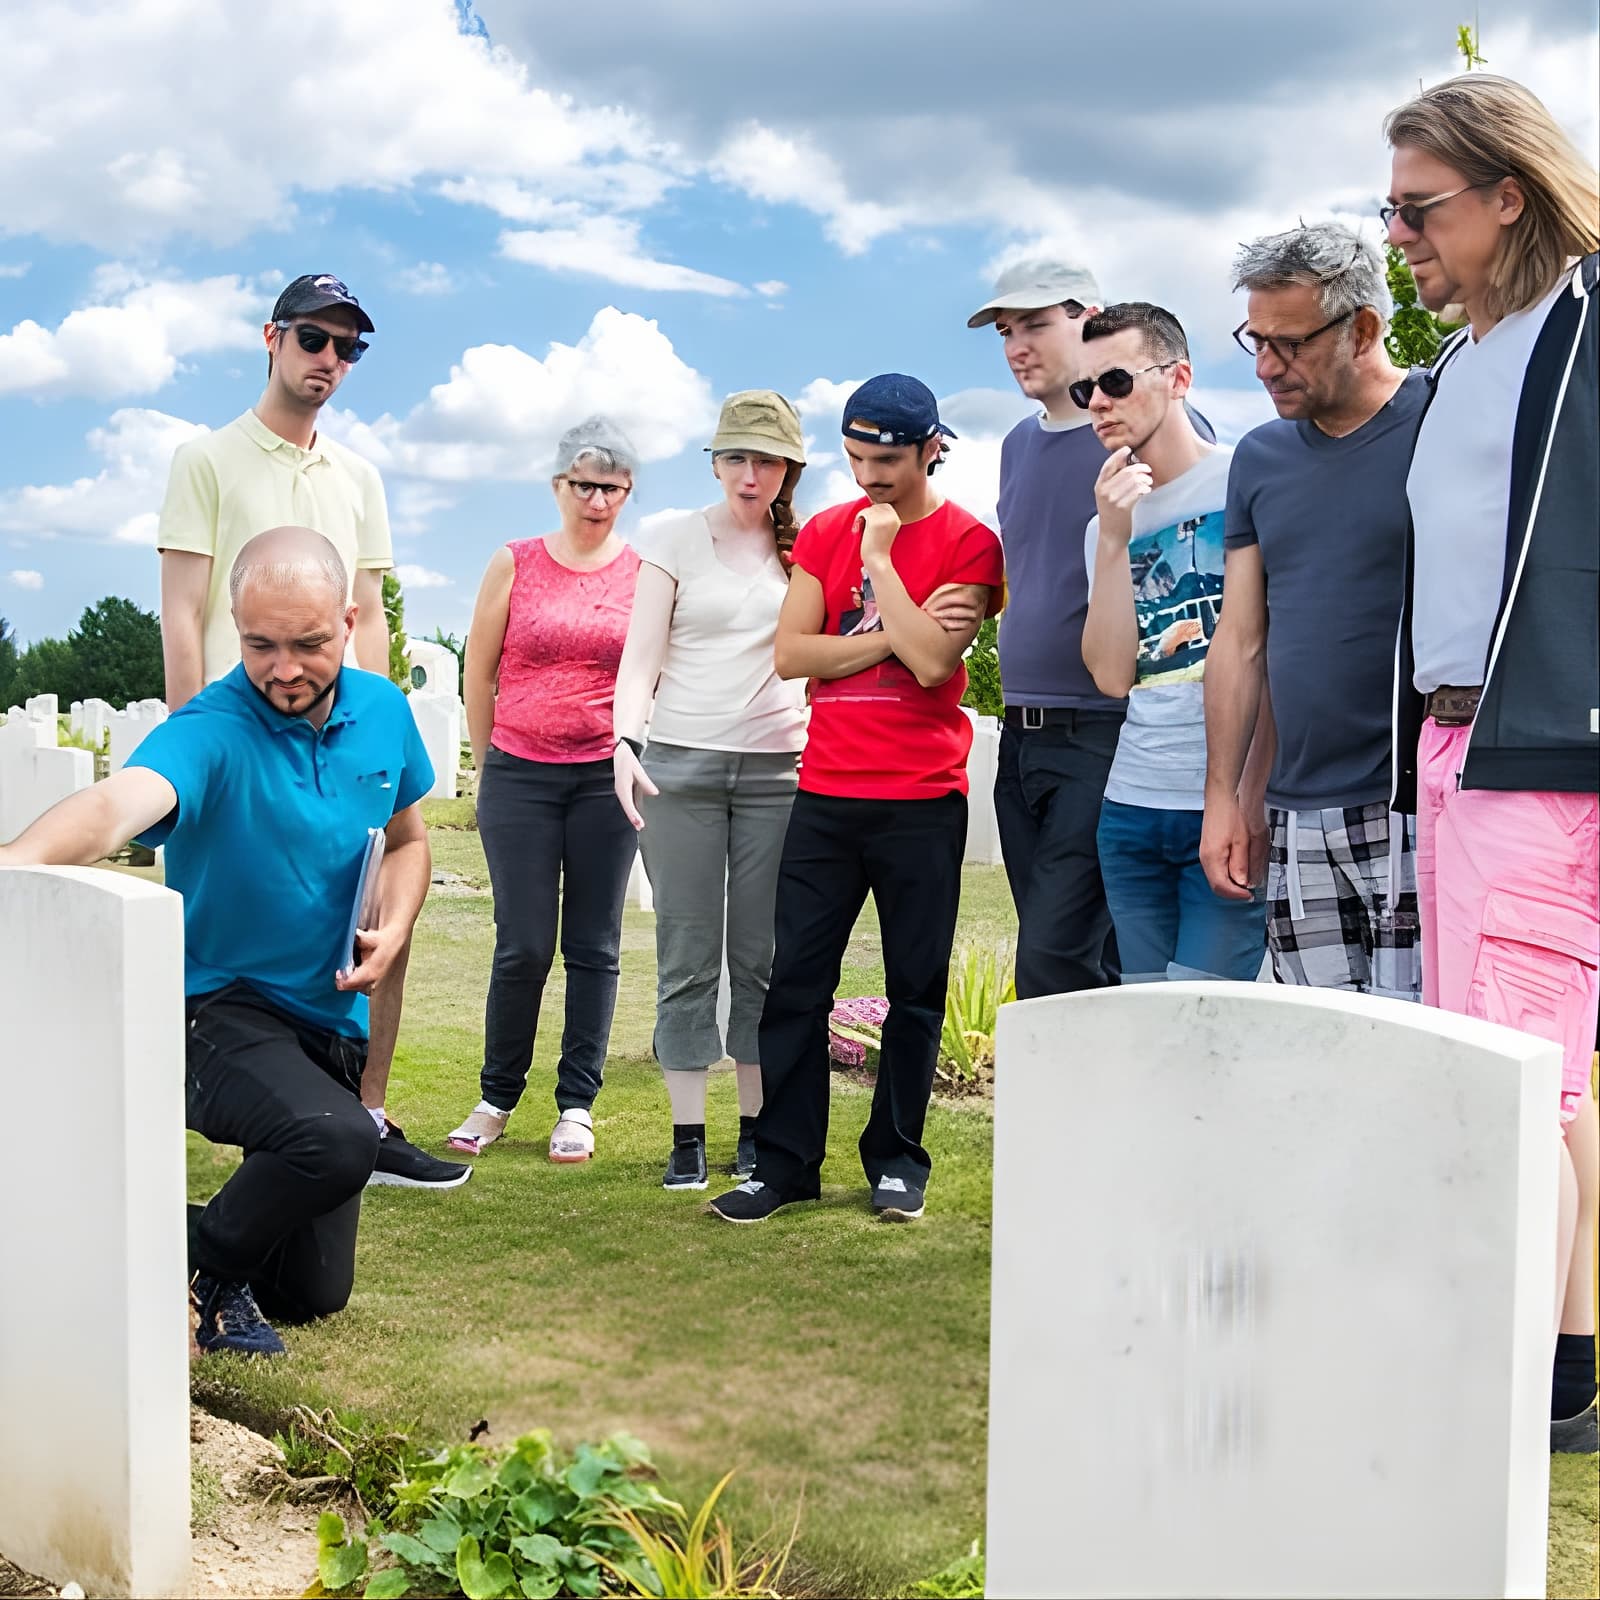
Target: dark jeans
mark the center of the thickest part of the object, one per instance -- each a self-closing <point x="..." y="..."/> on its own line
<point x="908" y="853"/>
<point x="1167" y="915"/>
<point x="286" y="1092"/>
<point x="1047" y="794"/>
<point x="555" y="839"/>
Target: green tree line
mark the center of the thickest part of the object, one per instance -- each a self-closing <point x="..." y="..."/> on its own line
<point x="114" y="654"/>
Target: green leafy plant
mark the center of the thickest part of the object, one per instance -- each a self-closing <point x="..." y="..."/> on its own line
<point x="983" y="671"/>
<point x="694" y="1558"/>
<point x="961" y="1580"/>
<point x="981" y="982"/>
<point x="394" y="616"/>
<point x="333" y="1455"/>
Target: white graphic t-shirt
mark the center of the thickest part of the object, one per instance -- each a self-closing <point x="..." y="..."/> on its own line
<point x="1176" y="557"/>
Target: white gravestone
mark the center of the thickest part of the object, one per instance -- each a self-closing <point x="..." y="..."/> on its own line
<point x="129" y="727"/>
<point x="438" y="719"/>
<point x="983" y="832"/>
<point x="43" y="707"/>
<point x="33" y="778"/>
<point x="1273" y="1293"/>
<point x="434" y="669"/>
<point x="94" y="1372"/>
<point x="94" y="721"/>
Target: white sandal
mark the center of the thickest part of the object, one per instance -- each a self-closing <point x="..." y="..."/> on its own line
<point x="572" y="1138"/>
<point x="480" y="1130"/>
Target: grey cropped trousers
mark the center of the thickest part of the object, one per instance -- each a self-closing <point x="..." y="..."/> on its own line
<point x="711" y="843"/>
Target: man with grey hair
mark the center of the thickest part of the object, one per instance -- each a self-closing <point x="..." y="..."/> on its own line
<point x="1316" y="535"/>
<point x="265" y="789"/>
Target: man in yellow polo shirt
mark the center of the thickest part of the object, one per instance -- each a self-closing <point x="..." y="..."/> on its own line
<point x="272" y="468"/>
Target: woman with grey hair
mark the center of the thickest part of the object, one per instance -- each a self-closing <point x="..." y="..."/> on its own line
<point x="541" y="669"/>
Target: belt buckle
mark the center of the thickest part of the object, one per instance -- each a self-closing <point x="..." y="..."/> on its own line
<point x="1033" y="717"/>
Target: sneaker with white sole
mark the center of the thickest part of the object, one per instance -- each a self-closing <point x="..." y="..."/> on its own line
<point x="897" y="1200"/>
<point x="401" y="1165"/>
<point x="752" y="1201"/>
<point x="572" y="1138"/>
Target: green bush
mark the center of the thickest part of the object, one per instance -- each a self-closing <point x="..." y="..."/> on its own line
<point x="983" y="671"/>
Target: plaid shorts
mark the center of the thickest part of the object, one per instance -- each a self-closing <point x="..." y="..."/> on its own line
<point x="1331" y="923"/>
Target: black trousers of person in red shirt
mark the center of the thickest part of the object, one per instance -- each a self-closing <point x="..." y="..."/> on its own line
<point x="908" y="854"/>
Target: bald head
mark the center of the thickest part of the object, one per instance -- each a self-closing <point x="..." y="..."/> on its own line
<point x="290" y="558"/>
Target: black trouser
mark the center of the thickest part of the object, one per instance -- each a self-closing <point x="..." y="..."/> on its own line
<point x="908" y="853"/>
<point x="554" y="837"/>
<point x="1047" y="794"/>
<point x="286" y="1091"/>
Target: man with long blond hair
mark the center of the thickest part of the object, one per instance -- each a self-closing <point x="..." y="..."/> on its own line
<point x="1497" y="665"/>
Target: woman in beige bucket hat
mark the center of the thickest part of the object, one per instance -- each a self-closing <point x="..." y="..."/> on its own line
<point x="711" y="794"/>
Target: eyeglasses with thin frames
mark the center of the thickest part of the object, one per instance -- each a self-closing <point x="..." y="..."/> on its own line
<point x="313" y="340"/>
<point x="1285" y="349"/>
<point x="1412" y="212"/>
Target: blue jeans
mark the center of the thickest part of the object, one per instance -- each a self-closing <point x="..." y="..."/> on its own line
<point x="1165" y="913"/>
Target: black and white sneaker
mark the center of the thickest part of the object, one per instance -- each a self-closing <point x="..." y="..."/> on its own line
<point x="752" y="1201"/>
<point x="401" y="1164"/>
<point x="686" y="1168"/>
<point x="896" y="1200"/>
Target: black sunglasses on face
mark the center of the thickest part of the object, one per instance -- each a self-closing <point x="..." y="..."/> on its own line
<point x="1115" y="383"/>
<point x="1284" y="349"/>
<point x="1412" y="212"/>
<point x="314" y="339"/>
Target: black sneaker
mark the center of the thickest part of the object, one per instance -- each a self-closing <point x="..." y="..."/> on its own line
<point x="402" y="1164"/>
<point x="897" y="1200"/>
<point x="686" y="1169"/>
<point x="744" y="1160"/>
<point x="752" y="1201"/>
<point x="230" y="1319"/>
<point x="1575" y="1436"/>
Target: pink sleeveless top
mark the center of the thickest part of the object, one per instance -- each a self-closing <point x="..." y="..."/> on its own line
<point x="558" y="666"/>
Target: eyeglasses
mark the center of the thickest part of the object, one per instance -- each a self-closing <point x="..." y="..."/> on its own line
<point x="1412" y="211"/>
<point x="313" y="340"/>
<point x="587" y="491"/>
<point x="1283" y="348"/>
<point x="1115" y="383"/>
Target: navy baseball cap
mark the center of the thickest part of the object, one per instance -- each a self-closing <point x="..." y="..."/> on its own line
<point x="316" y="291"/>
<point x="900" y="410"/>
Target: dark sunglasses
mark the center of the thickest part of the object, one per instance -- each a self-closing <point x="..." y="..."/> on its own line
<point x="313" y="340"/>
<point x="1414" y="212"/>
<point x="1115" y="383"/>
<point x="1284" y="349"/>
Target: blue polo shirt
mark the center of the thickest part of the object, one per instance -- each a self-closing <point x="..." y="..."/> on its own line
<point x="267" y="840"/>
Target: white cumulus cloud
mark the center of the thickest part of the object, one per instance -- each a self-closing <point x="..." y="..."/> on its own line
<point x="132" y="336"/>
<point x="25" y="578"/>
<point x="415" y="577"/>
<point x="119" y="502"/>
<point x="609" y="248"/>
<point x="502" y="410"/>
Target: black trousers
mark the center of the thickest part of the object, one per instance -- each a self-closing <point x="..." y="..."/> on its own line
<point x="1047" y="795"/>
<point x="908" y="853"/>
<point x="286" y="1092"/>
<point x="556" y="842"/>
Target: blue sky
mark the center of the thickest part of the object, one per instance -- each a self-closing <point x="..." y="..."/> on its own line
<point x="546" y="218"/>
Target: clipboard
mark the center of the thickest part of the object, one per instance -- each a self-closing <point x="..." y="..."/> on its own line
<point x="364" y="910"/>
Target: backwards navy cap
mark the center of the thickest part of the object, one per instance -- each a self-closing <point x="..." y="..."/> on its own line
<point x="901" y="410"/>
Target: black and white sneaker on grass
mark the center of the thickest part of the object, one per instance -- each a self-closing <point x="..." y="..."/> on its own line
<point x="686" y="1167"/>
<point x="752" y="1201"/>
<point x="400" y="1163"/>
<point x="897" y="1200"/>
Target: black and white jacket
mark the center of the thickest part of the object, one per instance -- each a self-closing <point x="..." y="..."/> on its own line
<point x="1538" y="723"/>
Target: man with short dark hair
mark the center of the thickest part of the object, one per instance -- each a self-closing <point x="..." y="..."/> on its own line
<point x="269" y="467"/>
<point x="1316" y="539"/>
<point x="1154" y="554"/>
<point x="264" y="789"/>
<point x="885" y="595"/>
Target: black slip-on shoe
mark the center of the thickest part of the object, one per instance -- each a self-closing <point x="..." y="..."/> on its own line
<point x="897" y="1200"/>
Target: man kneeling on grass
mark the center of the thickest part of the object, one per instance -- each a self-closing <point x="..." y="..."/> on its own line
<point x="263" y="788"/>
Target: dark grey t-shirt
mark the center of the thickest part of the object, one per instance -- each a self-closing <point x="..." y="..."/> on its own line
<point x="1330" y="517"/>
<point x="1047" y="475"/>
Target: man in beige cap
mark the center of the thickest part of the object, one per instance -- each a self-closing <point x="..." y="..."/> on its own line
<point x="1060" y="733"/>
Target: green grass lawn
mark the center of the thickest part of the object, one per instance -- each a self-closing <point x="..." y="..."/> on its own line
<point x="837" y="1362"/>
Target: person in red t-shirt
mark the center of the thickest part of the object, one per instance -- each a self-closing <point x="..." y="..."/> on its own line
<point x="885" y="595"/>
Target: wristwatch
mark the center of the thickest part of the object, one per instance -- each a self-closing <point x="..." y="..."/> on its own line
<point x="635" y="745"/>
